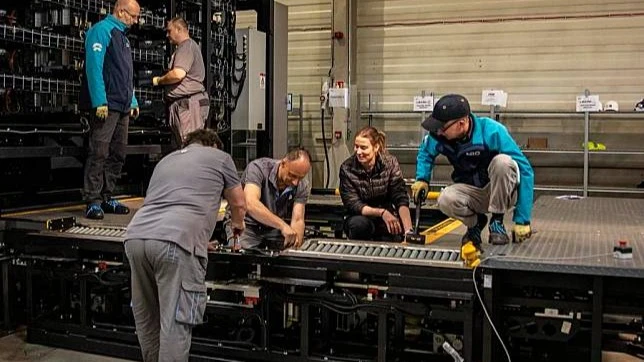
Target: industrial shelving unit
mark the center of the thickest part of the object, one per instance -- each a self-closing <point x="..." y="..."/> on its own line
<point x="38" y="84"/>
<point x="104" y="7"/>
<point x="42" y="47"/>
<point x="507" y="117"/>
<point x="42" y="39"/>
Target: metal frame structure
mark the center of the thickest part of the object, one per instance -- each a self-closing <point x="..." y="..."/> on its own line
<point x="441" y="293"/>
<point x="587" y="118"/>
<point x="566" y="290"/>
<point x="296" y="305"/>
<point x="60" y="262"/>
<point x="583" y="337"/>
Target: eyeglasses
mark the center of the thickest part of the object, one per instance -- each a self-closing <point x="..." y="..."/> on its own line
<point x="133" y="16"/>
<point x="447" y="126"/>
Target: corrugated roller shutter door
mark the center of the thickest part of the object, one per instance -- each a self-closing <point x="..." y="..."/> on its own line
<point x="542" y="53"/>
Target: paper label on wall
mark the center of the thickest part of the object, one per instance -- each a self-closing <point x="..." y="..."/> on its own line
<point x="262" y="81"/>
<point x="339" y="97"/>
<point x="423" y="104"/>
<point x="588" y="104"/>
<point x="289" y="102"/>
<point x="494" y="97"/>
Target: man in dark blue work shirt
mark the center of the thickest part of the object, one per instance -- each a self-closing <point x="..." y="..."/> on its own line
<point x="108" y="90"/>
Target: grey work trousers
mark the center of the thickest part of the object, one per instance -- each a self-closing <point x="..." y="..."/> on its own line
<point x="186" y="115"/>
<point x="463" y="202"/>
<point x="168" y="297"/>
<point x="106" y="155"/>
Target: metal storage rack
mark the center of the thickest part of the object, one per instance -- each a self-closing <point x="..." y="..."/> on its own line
<point x="42" y="39"/>
<point x="505" y="116"/>
<point x="105" y="7"/>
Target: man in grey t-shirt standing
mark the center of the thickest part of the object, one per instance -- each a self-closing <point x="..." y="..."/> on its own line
<point x="275" y="190"/>
<point x="166" y="243"/>
<point x="186" y="98"/>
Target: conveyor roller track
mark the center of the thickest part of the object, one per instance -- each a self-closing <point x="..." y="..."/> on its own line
<point x="377" y="252"/>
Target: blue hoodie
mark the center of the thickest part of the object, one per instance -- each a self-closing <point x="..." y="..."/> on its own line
<point x="108" y="72"/>
<point x="472" y="157"/>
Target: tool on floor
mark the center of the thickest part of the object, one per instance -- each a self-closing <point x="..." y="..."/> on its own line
<point x="415" y="237"/>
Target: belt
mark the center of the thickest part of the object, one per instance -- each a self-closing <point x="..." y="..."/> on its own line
<point x="185" y="99"/>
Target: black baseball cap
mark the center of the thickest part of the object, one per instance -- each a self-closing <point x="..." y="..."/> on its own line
<point x="448" y="107"/>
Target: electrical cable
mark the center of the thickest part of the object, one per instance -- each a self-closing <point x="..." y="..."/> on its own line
<point x="326" y="152"/>
<point x="11" y="58"/>
<point x="11" y="102"/>
<point x="478" y="293"/>
<point x="348" y="309"/>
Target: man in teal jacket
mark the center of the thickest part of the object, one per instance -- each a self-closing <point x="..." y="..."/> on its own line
<point x="108" y="91"/>
<point x="491" y="174"/>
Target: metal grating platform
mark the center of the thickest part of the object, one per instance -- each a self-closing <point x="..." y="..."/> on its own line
<point x="41" y="216"/>
<point x="577" y="236"/>
<point x="395" y="253"/>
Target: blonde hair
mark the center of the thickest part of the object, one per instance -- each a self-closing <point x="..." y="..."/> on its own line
<point x="179" y="23"/>
<point x="377" y="138"/>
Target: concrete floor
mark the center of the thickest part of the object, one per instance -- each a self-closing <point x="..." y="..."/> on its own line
<point x="14" y="348"/>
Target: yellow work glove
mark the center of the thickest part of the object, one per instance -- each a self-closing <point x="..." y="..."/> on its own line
<point x="134" y="112"/>
<point x="521" y="233"/>
<point x="101" y="112"/>
<point x="155" y="81"/>
<point x="416" y="187"/>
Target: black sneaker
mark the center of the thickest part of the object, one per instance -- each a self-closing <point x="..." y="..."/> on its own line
<point x="113" y="206"/>
<point x="498" y="235"/>
<point x="473" y="234"/>
<point x="94" y="211"/>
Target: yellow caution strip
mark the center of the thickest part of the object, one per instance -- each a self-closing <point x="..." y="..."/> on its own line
<point x="441" y="229"/>
<point x="432" y="195"/>
<point x="62" y="208"/>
